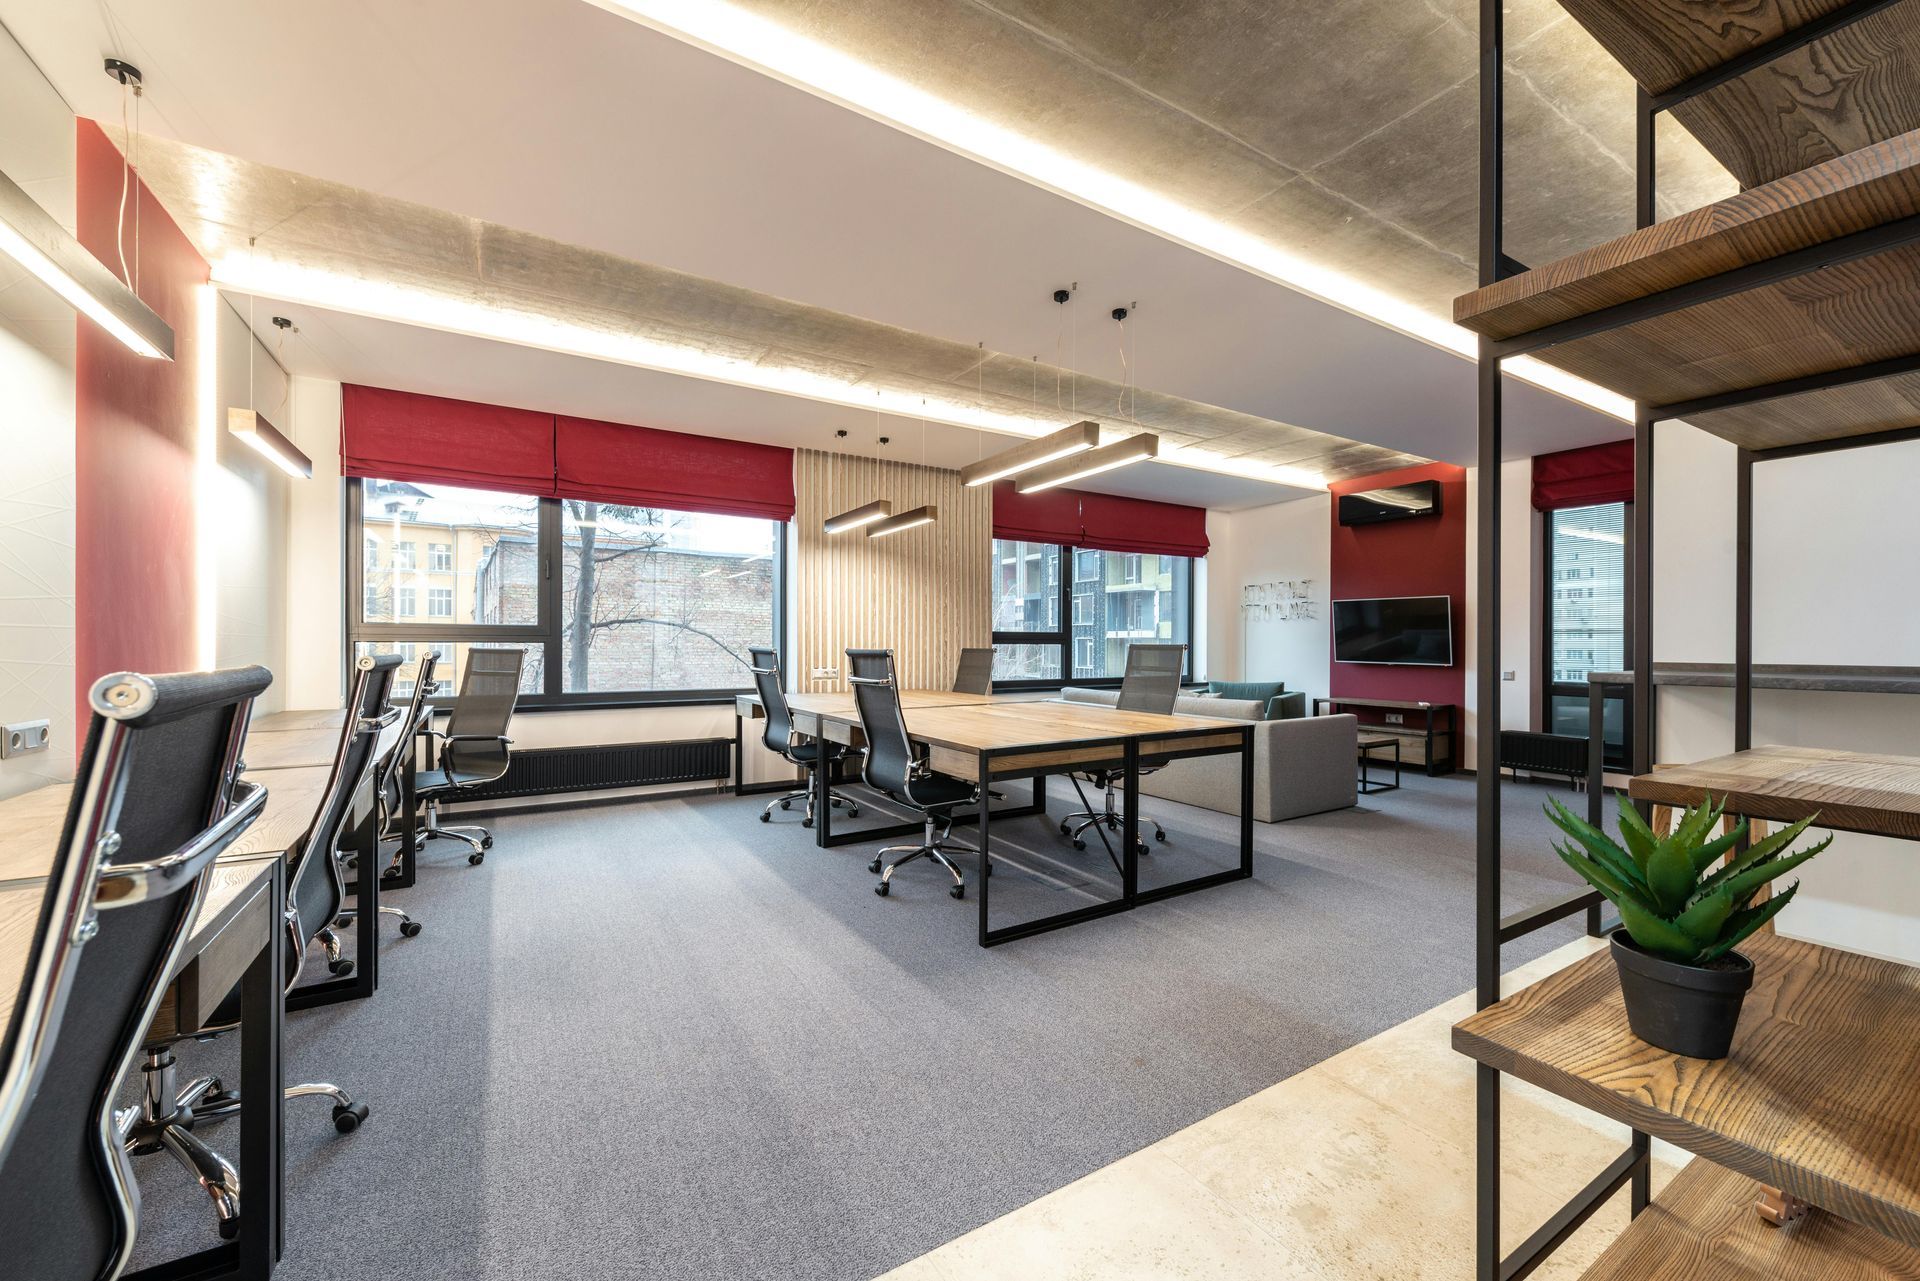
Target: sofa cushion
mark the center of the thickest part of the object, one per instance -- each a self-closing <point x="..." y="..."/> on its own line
<point x="1280" y="705"/>
<point x="1225" y="709"/>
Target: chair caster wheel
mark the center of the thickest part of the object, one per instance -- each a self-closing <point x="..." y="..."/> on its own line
<point x="854" y="812"/>
<point x="1159" y="835"/>
<point x="409" y="929"/>
<point x="806" y="822"/>
<point x="1066" y="829"/>
<point x="229" y="1229"/>
<point x="347" y="1120"/>
<point x="1079" y="844"/>
<point x="874" y="867"/>
<point x="353" y="864"/>
<point x="765" y="817"/>
<point x="881" y="889"/>
<point x="786" y="805"/>
<point x="958" y="891"/>
<point x="342" y="922"/>
<point x="340" y="968"/>
<point x="486" y="842"/>
<point x="476" y="858"/>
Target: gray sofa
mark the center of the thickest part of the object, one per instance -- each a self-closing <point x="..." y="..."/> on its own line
<point x="1302" y="765"/>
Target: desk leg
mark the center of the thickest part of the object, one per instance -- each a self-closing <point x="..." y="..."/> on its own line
<point x="986" y="860"/>
<point x="821" y="780"/>
<point x="1130" y="825"/>
<point x="367" y="892"/>
<point x="402" y="877"/>
<point x="262" y="1108"/>
<point x="1246" y="804"/>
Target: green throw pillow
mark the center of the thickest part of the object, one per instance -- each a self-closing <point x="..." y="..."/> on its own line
<point x="1267" y="692"/>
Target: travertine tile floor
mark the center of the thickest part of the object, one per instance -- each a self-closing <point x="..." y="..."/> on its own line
<point x="1358" y="1169"/>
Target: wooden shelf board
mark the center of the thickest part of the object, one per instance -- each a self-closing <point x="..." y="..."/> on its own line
<point x="1844" y="316"/>
<point x="1850" y="791"/>
<point x="1822" y="678"/>
<point x="1818" y="1097"/>
<point x="1702" y="1227"/>
<point x="1843" y="91"/>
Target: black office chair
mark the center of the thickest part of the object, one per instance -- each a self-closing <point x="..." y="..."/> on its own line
<point x="386" y="791"/>
<point x="157" y="798"/>
<point x="779" y="736"/>
<point x="895" y="770"/>
<point x="473" y="748"/>
<point x="165" y="1118"/>
<point x="975" y="675"/>
<point x="1150" y="683"/>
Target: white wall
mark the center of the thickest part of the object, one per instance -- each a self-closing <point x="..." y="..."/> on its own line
<point x="315" y="510"/>
<point x="1520" y="603"/>
<point x="37" y="441"/>
<point x="1285" y="541"/>
<point x="250" y="496"/>
<point x="1833" y="539"/>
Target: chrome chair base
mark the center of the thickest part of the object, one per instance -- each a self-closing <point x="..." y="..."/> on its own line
<point x="408" y="926"/>
<point x="431" y="829"/>
<point x="1077" y="822"/>
<point x="934" y="848"/>
<point x="163" y="1121"/>
<point x="839" y="801"/>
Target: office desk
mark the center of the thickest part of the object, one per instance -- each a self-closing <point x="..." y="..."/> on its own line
<point x="1000" y="737"/>
<point x="310" y="737"/>
<point x="234" y="939"/>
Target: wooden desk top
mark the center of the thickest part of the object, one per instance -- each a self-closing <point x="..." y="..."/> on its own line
<point x="993" y="728"/>
<point x="290" y="748"/>
<point x="1851" y="791"/>
<point x="840" y="704"/>
<point x="30" y="826"/>
<point x="318" y="718"/>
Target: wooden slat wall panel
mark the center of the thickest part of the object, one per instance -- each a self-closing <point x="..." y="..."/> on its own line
<point x="923" y="593"/>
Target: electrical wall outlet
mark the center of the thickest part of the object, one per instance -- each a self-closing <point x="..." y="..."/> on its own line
<point x="1506" y="676"/>
<point x="1396" y="718"/>
<point x="826" y="673"/>
<point x="22" y="737"/>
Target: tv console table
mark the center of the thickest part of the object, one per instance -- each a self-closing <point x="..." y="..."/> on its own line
<point x="1437" y="721"/>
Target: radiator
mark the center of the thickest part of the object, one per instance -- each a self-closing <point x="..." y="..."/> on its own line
<point x="1543" y="753"/>
<point x="547" y="770"/>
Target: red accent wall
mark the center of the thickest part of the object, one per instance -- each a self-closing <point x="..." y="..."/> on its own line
<point x="134" y="453"/>
<point x="1405" y="558"/>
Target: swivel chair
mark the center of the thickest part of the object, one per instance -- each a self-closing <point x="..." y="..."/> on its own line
<point x="165" y="1118"/>
<point x="895" y="770"/>
<point x="386" y="792"/>
<point x="975" y="675"/>
<point x="779" y="737"/>
<point x="156" y="800"/>
<point x="473" y="749"/>
<point x="1151" y="683"/>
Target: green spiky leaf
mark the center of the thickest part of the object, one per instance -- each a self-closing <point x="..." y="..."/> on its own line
<point x="1616" y="889"/>
<point x="1694" y="825"/>
<point x="1671" y="877"/>
<point x="1604" y="849"/>
<point x="1702" y="921"/>
<point x="1705" y="857"/>
<point x="1745" y="922"/>
<point x="1657" y="934"/>
<point x="1639" y="838"/>
<point x="1758" y="874"/>
<point x="1762" y="849"/>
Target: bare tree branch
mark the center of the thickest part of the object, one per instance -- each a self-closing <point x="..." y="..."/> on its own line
<point x="599" y="623"/>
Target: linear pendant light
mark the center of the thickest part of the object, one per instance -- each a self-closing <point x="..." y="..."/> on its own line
<point x="30" y="237"/>
<point x="266" y="439"/>
<point x="859" y="516"/>
<point x="1067" y="441"/>
<point x="905" y="520"/>
<point x="1134" y="449"/>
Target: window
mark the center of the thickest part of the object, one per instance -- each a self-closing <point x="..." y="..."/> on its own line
<point x="613" y="604"/>
<point x="1110" y="599"/>
<point x="1586" y="623"/>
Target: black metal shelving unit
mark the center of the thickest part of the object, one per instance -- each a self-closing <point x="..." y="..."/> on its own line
<point x="1632" y="1167"/>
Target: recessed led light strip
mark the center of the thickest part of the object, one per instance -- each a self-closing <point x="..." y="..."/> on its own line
<point x="781" y="52"/>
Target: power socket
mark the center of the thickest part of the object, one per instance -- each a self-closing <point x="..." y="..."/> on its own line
<point x="826" y="673"/>
<point x="22" y="737"/>
<point x="1396" y="718"/>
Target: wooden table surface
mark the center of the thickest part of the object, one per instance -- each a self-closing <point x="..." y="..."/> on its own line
<point x="1850" y="791"/>
<point x="316" y="718"/>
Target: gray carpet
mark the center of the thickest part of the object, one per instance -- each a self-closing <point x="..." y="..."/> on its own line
<point x="661" y="1039"/>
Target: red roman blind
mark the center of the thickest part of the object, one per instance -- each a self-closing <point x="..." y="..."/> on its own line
<point x="646" y="467"/>
<point x="1100" y="522"/>
<point x="1583" y="477"/>
<point x="400" y="435"/>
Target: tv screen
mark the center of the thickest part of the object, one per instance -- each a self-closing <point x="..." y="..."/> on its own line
<point x="1401" y="502"/>
<point x="1415" y="631"/>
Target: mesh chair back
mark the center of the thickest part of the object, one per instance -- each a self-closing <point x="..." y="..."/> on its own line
<point x="315" y="890"/>
<point x="778" y="734"/>
<point x="976" y="672"/>
<point x="402" y="755"/>
<point x="876" y="697"/>
<point x="488" y="690"/>
<point x="154" y="803"/>
<point x="1152" y="679"/>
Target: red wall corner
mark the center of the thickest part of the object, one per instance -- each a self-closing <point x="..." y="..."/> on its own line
<point x="1426" y="557"/>
<point x="136" y="422"/>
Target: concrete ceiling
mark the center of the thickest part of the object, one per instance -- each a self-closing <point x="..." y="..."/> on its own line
<point x="576" y="125"/>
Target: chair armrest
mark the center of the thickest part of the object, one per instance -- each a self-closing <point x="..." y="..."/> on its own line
<point x="501" y="739"/>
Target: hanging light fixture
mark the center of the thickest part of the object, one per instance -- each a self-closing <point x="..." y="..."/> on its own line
<point x="251" y="426"/>
<point x="859" y="516"/>
<point x="1134" y="449"/>
<point x="34" y="240"/>
<point x="905" y="520"/>
<point x="1038" y="452"/>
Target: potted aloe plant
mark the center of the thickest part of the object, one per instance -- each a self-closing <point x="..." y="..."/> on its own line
<point x="1681" y="917"/>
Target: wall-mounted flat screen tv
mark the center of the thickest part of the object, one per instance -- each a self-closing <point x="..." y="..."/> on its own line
<point x="1409" y="631"/>
<point x="1400" y="502"/>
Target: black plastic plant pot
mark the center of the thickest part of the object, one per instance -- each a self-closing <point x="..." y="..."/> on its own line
<point x="1684" y="1009"/>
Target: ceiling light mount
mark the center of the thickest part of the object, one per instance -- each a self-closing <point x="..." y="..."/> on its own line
<point x="1134" y="449"/>
<point x="1062" y="295"/>
<point x="1120" y="313"/>
<point x="125" y="72"/>
<point x="1030" y="454"/>
<point x="282" y="323"/>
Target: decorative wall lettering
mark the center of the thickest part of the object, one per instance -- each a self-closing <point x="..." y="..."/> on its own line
<point x="1288" y="600"/>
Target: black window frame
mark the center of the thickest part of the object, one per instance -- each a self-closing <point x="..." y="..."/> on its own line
<point x="545" y="631"/>
<point x="1549" y="687"/>
<point x="1062" y="639"/>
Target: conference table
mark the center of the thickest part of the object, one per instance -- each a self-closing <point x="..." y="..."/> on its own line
<point x="989" y="738"/>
